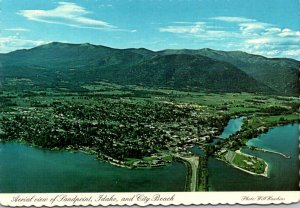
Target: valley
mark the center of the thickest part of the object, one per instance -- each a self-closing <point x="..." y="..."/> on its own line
<point x="140" y="127"/>
<point x="139" y="109"/>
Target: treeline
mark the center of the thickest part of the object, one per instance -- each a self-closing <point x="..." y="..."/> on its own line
<point x="278" y="110"/>
<point x="202" y="178"/>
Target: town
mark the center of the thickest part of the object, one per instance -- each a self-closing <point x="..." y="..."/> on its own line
<point x="135" y="127"/>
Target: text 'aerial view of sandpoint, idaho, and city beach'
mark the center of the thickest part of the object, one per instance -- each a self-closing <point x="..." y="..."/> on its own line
<point x="149" y="96"/>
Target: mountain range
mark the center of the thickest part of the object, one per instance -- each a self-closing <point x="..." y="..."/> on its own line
<point x="55" y="64"/>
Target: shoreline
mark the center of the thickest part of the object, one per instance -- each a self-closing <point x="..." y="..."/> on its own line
<point x="192" y="164"/>
<point x="188" y="175"/>
<point x="265" y="174"/>
<point x="88" y="151"/>
<point x="246" y="171"/>
<point x="187" y="162"/>
<point x="269" y="151"/>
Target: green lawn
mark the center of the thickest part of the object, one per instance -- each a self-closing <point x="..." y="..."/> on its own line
<point x="249" y="163"/>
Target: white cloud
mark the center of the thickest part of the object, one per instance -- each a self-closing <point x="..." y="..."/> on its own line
<point x="293" y="53"/>
<point x="192" y="28"/>
<point x="273" y="46"/>
<point x="198" y="30"/>
<point x="253" y="28"/>
<point x="258" y="41"/>
<point x="15" y="42"/>
<point x="67" y="13"/>
<point x="240" y="33"/>
<point x="273" y="40"/>
<point x="17" y="29"/>
<point x="289" y="33"/>
<point x="272" y="30"/>
<point x="232" y="19"/>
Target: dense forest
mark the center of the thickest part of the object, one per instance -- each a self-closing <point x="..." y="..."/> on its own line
<point x="66" y="65"/>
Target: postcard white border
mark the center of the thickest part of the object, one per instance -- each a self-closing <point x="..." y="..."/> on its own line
<point x="149" y="198"/>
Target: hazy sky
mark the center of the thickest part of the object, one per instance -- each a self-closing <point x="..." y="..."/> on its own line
<point x="266" y="27"/>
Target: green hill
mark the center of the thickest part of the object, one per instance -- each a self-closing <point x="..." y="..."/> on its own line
<point x="280" y="74"/>
<point x="64" y="55"/>
<point x="56" y="63"/>
<point x="181" y="71"/>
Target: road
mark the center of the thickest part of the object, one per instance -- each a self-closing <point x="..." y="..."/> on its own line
<point x="194" y="162"/>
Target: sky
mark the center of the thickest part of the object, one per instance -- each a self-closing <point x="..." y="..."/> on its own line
<point x="265" y="27"/>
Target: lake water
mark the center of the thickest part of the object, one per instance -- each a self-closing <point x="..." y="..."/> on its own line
<point x="27" y="169"/>
<point x="283" y="172"/>
<point x="233" y="126"/>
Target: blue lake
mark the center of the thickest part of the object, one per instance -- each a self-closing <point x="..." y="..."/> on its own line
<point x="24" y="169"/>
<point x="283" y="172"/>
<point x="232" y="127"/>
<point x="27" y="169"/>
